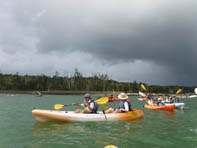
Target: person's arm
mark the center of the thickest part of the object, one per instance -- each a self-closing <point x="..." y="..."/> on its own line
<point x="79" y="105"/>
<point x="91" y="106"/>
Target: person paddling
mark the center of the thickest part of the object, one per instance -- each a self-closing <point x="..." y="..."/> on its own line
<point x="159" y="102"/>
<point x="124" y="105"/>
<point x="149" y="99"/>
<point x="89" y="105"/>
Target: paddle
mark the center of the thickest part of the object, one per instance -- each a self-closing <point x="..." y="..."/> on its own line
<point x="178" y="91"/>
<point x="104" y="113"/>
<point x="105" y="107"/>
<point x="59" y="106"/>
<point x="102" y="100"/>
<point x="143" y="87"/>
<point x="142" y="94"/>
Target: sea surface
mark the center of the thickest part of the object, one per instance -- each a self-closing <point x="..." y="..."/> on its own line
<point x="158" y="129"/>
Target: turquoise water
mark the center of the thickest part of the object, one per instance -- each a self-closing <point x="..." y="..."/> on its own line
<point x="158" y="129"/>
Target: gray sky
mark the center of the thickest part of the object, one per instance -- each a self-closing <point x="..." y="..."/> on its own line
<point x="152" y="41"/>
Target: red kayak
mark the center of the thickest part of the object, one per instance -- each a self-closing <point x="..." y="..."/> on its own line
<point x="113" y="99"/>
<point x="155" y="107"/>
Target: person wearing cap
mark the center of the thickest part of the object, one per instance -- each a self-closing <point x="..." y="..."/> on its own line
<point x="159" y="102"/>
<point x="89" y="105"/>
<point x="124" y="105"/>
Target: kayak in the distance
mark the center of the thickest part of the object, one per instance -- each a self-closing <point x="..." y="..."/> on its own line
<point x="113" y="99"/>
<point x="156" y="107"/>
<point x="70" y="116"/>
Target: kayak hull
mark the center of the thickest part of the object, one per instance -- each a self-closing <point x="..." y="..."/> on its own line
<point x="193" y="96"/>
<point x="154" y="107"/>
<point x="70" y="116"/>
<point x="178" y="105"/>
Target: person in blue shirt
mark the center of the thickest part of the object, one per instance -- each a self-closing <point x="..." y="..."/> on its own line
<point x="159" y="103"/>
<point x="89" y="105"/>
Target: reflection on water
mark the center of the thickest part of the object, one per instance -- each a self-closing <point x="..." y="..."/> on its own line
<point x="164" y="114"/>
<point x="169" y="114"/>
<point x="39" y="129"/>
<point x="102" y="133"/>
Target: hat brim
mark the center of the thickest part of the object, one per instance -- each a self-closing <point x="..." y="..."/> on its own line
<point x="123" y="97"/>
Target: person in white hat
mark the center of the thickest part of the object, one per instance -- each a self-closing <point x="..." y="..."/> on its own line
<point x="124" y="105"/>
<point x="89" y="105"/>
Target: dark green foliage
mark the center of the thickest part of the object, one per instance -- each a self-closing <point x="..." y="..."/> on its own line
<point x="77" y="82"/>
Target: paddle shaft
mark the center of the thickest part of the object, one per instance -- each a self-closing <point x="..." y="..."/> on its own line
<point x="104" y="114"/>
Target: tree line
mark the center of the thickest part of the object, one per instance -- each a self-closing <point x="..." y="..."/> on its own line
<point x="77" y="82"/>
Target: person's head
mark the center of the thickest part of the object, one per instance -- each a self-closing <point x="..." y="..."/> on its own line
<point x="122" y="96"/>
<point x="87" y="97"/>
<point x="159" y="99"/>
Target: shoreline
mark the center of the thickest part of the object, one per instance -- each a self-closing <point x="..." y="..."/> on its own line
<point x="96" y="93"/>
<point x="54" y="92"/>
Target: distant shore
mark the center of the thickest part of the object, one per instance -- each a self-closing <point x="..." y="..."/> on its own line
<point x="94" y="93"/>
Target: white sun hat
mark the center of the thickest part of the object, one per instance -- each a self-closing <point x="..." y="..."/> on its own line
<point x="122" y="96"/>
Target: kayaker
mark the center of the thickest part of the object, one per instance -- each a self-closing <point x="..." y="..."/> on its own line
<point x="168" y="99"/>
<point x="149" y="99"/>
<point x="124" y="105"/>
<point x="175" y="99"/>
<point x="159" y="103"/>
<point x="89" y="105"/>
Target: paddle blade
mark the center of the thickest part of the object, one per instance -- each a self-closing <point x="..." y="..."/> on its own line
<point x="143" y="87"/>
<point x="110" y="146"/>
<point x="178" y="91"/>
<point x="113" y="92"/>
<point x="105" y="107"/>
<point x="142" y="94"/>
<point x="103" y="100"/>
<point x="58" y="106"/>
<point x="163" y="97"/>
<point x="195" y="90"/>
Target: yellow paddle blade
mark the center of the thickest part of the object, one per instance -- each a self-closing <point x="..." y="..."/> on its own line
<point x="110" y="146"/>
<point x="143" y="87"/>
<point x="58" y="106"/>
<point x="178" y="91"/>
<point x="105" y="107"/>
<point x="103" y="100"/>
<point x="163" y="97"/>
<point x="113" y="92"/>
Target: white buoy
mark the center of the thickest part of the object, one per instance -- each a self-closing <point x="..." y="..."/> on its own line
<point x="195" y="90"/>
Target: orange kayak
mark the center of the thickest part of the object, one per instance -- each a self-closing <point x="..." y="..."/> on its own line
<point x="113" y="99"/>
<point x="155" y="107"/>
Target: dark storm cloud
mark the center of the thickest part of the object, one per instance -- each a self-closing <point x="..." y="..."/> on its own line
<point x="161" y="32"/>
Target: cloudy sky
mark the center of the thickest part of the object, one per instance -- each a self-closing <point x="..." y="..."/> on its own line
<point x="152" y="41"/>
